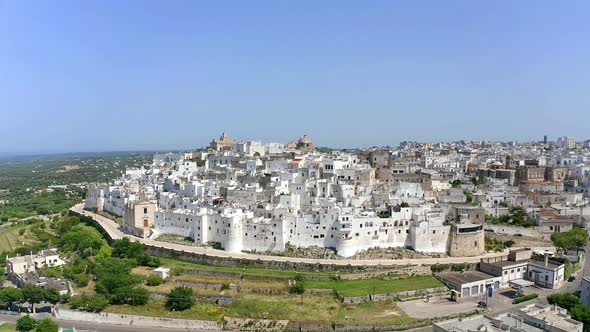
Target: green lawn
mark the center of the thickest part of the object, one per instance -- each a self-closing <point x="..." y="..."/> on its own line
<point x="363" y="287"/>
<point x="8" y="327"/>
<point x="172" y="263"/>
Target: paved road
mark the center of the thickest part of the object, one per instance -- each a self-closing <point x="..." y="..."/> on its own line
<point x="97" y="327"/>
<point x="113" y="229"/>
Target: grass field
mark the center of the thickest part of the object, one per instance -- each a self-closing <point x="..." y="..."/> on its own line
<point x="313" y="307"/>
<point x="324" y="307"/>
<point x="363" y="287"/>
<point x="9" y="237"/>
<point x="379" y="313"/>
<point x="177" y="263"/>
<point x="8" y="240"/>
<point x="201" y="310"/>
<point x="8" y="327"/>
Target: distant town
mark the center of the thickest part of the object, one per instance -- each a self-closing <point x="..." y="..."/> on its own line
<point x="453" y="236"/>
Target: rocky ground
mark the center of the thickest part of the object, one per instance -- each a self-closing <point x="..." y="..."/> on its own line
<point x="374" y="253"/>
<point x="520" y="241"/>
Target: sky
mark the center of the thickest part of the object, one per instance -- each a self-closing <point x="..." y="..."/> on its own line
<point x="109" y="75"/>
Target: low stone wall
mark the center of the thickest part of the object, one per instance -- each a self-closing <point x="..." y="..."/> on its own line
<point x="199" y="284"/>
<point x="248" y="324"/>
<point x="389" y="296"/>
<point x="319" y="291"/>
<point x="213" y="273"/>
<point x="217" y="299"/>
<point x="133" y="320"/>
<point x="309" y="326"/>
<point x="360" y="328"/>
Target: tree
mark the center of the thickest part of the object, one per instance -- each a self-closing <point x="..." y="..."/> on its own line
<point x="11" y="296"/>
<point x="82" y="239"/>
<point x="52" y="296"/>
<point x="581" y="313"/>
<point x="297" y="286"/>
<point x="566" y="301"/>
<point x="125" y="248"/>
<point x="94" y="303"/>
<point x="2" y="275"/>
<point x="180" y="298"/>
<point x="33" y="294"/>
<point x="25" y="323"/>
<point x="104" y="251"/>
<point x="574" y="238"/>
<point x="456" y="183"/>
<point x="154" y="280"/>
<point x="579" y="237"/>
<point x="47" y="325"/>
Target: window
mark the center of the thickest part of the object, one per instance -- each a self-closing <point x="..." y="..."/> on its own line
<point x="434" y="232"/>
<point x="144" y="210"/>
<point x="505" y="272"/>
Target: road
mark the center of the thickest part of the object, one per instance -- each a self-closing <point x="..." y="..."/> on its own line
<point x="572" y="287"/>
<point x="113" y="229"/>
<point x="96" y="327"/>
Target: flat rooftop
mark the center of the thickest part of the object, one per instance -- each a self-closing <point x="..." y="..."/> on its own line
<point x="507" y="263"/>
<point x="464" y="277"/>
<point x="485" y="323"/>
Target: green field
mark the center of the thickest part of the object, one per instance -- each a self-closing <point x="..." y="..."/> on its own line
<point x="201" y="310"/>
<point x="291" y="307"/>
<point x="177" y="263"/>
<point x="315" y="307"/>
<point x="363" y="287"/>
<point x="8" y="239"/>
<point x="8" y="327"/>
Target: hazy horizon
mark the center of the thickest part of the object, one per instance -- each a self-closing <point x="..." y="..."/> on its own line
<point x="152" y="75"/>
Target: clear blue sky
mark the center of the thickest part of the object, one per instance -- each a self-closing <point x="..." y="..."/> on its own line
<point x="102" y="75"/>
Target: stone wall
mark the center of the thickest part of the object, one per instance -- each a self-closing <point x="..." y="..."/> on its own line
<point x="248" y="324"/>
<point x="213" y="273"/>
<point x="238" y="262"/>
<point x="216" y="299"/>
<point x="134" y="320"/>
<point x="466" y="244"/>
<point x="390" y="296"/>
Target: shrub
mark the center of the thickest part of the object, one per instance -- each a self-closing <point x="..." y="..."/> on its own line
<point x="525" y="298"/>
<point x="47" y="325"/>
<point x="25" y="323"/>
<point x="180" y="298"/>
<point x="81" y="280"/>
<point x="225" y="286"/>
<point x="154" y="280"/>
<point x="297" y="286"/>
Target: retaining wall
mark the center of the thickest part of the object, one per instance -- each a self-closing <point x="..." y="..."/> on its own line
<point x="240" y="262"/>
<point x="389" y="296"/>
<point x="134" y="320"/>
